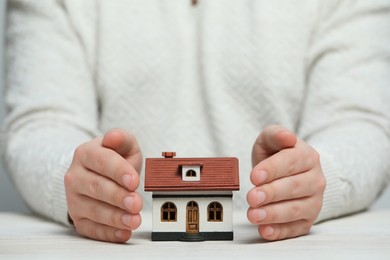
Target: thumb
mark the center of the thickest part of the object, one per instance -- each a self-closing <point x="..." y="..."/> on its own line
<point x="270" y="141"/>
<point x="125" y="144"/>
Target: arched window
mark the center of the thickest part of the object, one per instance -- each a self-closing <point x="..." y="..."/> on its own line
<point x="215" y="212"/>
<point x="191" y="173"/>
<point x="168" y="212"/>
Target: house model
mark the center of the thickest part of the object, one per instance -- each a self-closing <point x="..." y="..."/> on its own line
<point x="192" y="197"/>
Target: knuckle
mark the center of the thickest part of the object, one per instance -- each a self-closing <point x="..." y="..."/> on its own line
<point x="305" y="229"/>
<point x="85" y="229"/>
<point x="78" y="227"/>
<point x="80" y="151"/>
<point x="272" y="169"/>
<point x="313" y="157"/>
<point x="291" y="231"/>
<point x="95" y="188"/>
<point x="297" y="229"/>
<point x="109" y="236"/>
<point x="322" y="184"/>
<point x="283" y="232"/>
<point x="291" y="165"/>
<point x="316" y="208"/>
<point x="295" y="212"/>
<point x="138" y="161"/>
<point x="103" y="233"/>
<point x="100" y="163"/>
<point x="94" y="212"/>
<point x="287" y="231"/>
<point x="100" y="234"/>
<point x="316" y="155"/>
<point x="93" y="233"/>
<point x="296" y="187"/>
<point x="71" y="202"/>
<point x="68" y="179"/>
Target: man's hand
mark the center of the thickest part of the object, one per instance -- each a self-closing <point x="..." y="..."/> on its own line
<point x="289" y="185"/>
<point x="100" y="187"/>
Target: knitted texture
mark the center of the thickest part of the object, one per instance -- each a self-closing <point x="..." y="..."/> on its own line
<point x="201" y="81"/>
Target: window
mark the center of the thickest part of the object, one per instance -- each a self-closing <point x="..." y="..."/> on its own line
<point x="168" y="212"/>
<point x="215" y="212"/>
<point x="191" y="173"/>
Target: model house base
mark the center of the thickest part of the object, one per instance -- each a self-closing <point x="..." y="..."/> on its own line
<point x="183" y="236"/>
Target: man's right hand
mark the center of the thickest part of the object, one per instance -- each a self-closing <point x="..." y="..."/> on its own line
<point x="100" y="187"/>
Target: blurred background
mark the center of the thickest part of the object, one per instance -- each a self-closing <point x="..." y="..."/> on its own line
<point x="10" y="200"/>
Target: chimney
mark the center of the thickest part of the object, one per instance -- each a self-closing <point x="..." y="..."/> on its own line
<point x="168" y="154"/>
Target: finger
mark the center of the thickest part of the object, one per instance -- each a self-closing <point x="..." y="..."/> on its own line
<point x="105" y="214"/>
<point x="102" y="189"/>
<point x="293" y="187"/>
<point x="285" y="163"/>
<point x="108" y="163"/>
<point x="286" y="211"/>
<point x="285" y="230"/>
<point x="97" y="231"/>
<point x="271" y="140"/>
<point x="124" y="144"/>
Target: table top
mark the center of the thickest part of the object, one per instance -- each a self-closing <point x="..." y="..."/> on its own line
<point x="360" y="236"/>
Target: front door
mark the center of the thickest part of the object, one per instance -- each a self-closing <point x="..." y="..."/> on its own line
<point x="192" y="217"/>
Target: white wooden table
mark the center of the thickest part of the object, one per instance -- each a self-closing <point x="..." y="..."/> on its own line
<point x="362" y="236"/>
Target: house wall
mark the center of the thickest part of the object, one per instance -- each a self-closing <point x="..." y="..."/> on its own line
<point x="181" y="204"/>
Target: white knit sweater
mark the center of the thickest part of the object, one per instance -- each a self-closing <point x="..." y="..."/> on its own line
<point x="201" y="81"/>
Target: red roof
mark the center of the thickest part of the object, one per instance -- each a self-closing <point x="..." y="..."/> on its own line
<point x="164" y="174"/>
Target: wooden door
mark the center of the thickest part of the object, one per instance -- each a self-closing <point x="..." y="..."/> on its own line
<point x="192" y="217"/>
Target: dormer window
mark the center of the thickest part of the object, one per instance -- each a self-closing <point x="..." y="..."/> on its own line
<point x="191" y="172"/>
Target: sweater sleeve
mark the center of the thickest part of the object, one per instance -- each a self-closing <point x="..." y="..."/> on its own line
<point x="346" y="113"/>
<point x="51" y="101"/>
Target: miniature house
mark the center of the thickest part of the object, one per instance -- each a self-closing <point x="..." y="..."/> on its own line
<point x="192" y="197"/>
